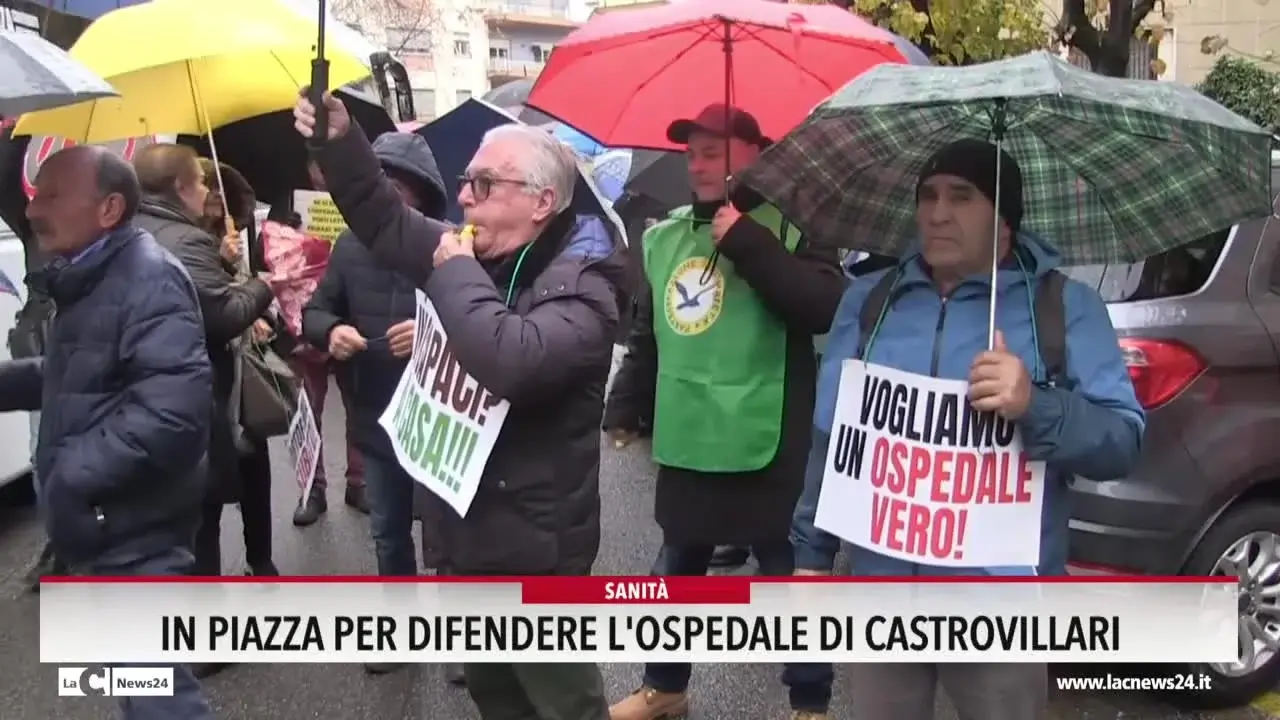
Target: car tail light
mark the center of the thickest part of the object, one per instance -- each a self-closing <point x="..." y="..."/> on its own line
<point x="1160" y="369"/>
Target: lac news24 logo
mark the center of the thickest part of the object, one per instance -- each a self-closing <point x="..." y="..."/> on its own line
<point x="99" y="681"/>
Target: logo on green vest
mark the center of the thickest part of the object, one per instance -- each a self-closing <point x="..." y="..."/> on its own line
<point x="692" y="306"/>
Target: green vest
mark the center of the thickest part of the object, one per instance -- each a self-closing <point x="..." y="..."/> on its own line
<point x="721" y="352"/>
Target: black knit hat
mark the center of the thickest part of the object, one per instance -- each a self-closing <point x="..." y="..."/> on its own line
<point x="975" y="161"/>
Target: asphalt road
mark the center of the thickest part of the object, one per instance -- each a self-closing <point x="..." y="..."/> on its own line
<point x="339" y="544"/>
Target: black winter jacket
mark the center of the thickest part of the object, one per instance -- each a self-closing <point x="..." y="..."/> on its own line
<point x="359" y="291"/>
<point x="549" y="353"/>
<point x="125" y="387"/>
<point x="228" y="307"/>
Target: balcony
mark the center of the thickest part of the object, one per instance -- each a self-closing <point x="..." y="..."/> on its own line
<point x="528" y="13"/>
<point x="503" y="70"/>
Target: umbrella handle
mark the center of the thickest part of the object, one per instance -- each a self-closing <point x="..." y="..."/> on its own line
<point x="315" y="93"/>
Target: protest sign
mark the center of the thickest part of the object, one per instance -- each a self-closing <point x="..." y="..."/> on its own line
<point x="320" y="217"/>
<point x="304" y="445"/>
<point x="442" y="423"/>
<point x="915" y="473"/>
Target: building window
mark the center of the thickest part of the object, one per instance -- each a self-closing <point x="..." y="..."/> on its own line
<point x="461" y="46"/>
<point x="424" y="104"/>
<point x="405" y="40"/>
<point x="463" y="96"/>
<point x="498" y="53"/>
<point x="539" y="53"/>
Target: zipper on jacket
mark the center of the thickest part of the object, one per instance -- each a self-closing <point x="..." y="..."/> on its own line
<point x="937" y="338"/>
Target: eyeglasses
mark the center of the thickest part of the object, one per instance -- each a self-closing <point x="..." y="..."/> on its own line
<point x="482" y="185"/>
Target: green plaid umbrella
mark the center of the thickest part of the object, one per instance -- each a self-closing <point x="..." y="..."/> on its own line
<point x="1113" y="170"/>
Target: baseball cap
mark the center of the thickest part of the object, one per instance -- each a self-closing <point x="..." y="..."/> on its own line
<point x="723" y="121"/>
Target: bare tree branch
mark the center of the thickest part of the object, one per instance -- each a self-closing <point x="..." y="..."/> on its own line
<point x="413" y="22"/>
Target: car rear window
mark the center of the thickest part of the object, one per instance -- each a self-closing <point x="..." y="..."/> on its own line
<point x="1177" y="272"/>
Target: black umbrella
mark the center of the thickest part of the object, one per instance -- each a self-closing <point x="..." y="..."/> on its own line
<point x="271" y="154"/>
<point x="661" y="176"/>
<point x="13" y="199"/>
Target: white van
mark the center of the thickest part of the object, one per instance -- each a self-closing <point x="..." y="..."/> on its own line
<point x="15" y="427"/>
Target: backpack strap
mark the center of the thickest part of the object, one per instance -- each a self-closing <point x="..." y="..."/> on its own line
<point x="872" y="307"/>
<point x="1051" y="326"/>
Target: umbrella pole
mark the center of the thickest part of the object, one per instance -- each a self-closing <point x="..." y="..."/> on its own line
<point x="727" y="45"/>
<point x="213" y="155"/>
<point x="998" y="128"/>
<point x="319" y="84"/>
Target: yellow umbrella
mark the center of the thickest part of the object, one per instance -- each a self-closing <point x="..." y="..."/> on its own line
<point x="190" y="66"/>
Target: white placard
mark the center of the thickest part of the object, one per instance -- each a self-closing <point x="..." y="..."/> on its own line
<point x="304" y="445"/>
<point x="913" y="472"/>
<point x="442" y="423"/>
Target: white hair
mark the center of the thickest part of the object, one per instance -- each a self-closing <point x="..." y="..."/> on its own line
<point x="550" y="164"/>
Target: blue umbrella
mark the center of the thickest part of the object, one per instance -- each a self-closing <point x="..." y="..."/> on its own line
<point x="581" y="144"/>
<point x="610" y="171"/>
<point x="454" y="138"/>
<point x="91" y="9"/>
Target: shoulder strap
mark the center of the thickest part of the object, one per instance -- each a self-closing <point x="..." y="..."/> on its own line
<point x="873" y="306"/>
<point x="1051" y="326"/>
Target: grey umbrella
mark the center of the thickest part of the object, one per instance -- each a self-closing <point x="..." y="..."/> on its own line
<point x="40" y="76"/>
<point x="511" y="97"/>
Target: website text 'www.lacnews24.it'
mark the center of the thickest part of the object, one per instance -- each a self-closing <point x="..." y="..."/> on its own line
<point x="1177" y="682"/>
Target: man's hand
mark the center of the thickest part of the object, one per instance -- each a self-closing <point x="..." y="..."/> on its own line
<point x="344" y="342"/>
<point x="798" y="572"/>
<point x="622" y="438"/>
<point x="231" y="248"/>
<point x="400" y="339"/>
<point x="452" y="244"/>
<point x="262" y="331"/>
<point x="304" y="117"/>
<point x="999" y="382"/>
<point x="725" y="217"/>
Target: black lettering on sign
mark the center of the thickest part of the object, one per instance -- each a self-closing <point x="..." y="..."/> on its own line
<point x="850" y="443"/>
<point x="928" y="416"/>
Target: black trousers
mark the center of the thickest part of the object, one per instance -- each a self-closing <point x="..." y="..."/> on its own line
<point x="255" y="509"/>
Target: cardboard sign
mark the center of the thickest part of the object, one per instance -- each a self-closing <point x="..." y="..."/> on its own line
<point x="913" y="472"/>
<point x="443" y="424"/>
<point x="320" y="217"/>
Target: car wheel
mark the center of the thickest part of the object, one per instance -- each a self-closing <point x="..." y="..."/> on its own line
<point x="1243" y="543"/>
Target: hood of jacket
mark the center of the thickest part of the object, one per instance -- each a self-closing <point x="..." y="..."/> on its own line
<point x="410" y="154"/>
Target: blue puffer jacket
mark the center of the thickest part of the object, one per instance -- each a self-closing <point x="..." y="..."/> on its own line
<point x="126" y="392"/>
<point x="1093" y="429"/>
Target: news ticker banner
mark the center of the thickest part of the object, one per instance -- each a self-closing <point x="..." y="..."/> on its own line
<point x="633" y="620"/>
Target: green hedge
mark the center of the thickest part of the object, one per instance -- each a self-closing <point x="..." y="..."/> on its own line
<point x="1246" y="88"/>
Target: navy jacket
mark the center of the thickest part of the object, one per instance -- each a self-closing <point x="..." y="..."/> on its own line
<point x="126" y="390"/>
<point x="359" y="291"/>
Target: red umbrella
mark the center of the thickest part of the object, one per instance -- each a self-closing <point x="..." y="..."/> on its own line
<point x="624" y="76"/>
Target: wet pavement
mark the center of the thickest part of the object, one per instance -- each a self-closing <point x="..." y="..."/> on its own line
<point x="339" y="544"/>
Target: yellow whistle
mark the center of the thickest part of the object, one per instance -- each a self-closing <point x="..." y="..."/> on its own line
<point x="468" y="233"/>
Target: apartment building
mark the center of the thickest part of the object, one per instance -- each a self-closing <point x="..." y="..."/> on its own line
<point x="457" y="49"/>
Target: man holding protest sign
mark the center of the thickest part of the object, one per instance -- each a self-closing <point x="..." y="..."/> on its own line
<point x="499" y="412"/>
<point x="938" y="456"/>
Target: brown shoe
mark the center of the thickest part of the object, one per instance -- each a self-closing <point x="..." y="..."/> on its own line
<point x="649" y="704"/>
<point x="807" y="715"/>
